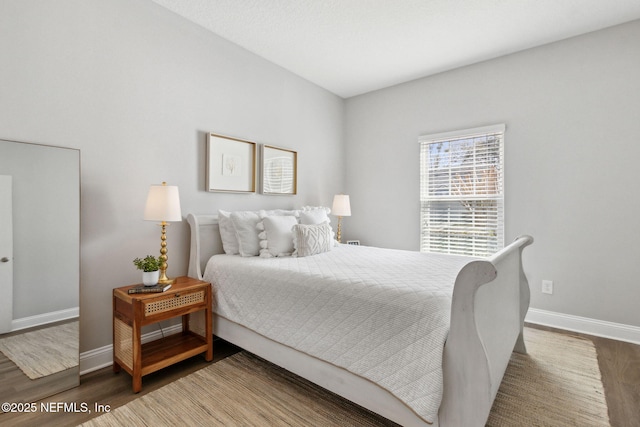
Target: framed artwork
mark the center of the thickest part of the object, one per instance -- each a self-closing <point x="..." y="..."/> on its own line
<point x="279" y="170"/>
<point x="231" y="164"/>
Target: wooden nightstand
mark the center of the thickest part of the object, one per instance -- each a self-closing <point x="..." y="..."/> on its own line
<point x="133" y="311"/>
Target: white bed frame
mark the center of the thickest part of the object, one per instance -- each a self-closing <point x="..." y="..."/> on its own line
<point x="490" y="301"/>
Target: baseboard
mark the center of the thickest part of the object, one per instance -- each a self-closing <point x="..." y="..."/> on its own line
<point x="102" y="357"/>
<point x="584" y="325"/>
<point x="44" y="319"/>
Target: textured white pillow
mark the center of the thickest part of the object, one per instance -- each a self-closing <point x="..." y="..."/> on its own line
<point x="227" y="233"/>
<point x="245" y="226"/>
<point x="312" y="239"/>
<point x="275" y="235"/>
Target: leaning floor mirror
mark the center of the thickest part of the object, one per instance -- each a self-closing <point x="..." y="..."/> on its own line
<point x="39" y="270"/>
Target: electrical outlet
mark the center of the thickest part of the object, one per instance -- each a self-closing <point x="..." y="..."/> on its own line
<point x="547" y="287"/>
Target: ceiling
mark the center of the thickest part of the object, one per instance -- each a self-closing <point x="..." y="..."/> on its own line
<point x="350" y="47"/>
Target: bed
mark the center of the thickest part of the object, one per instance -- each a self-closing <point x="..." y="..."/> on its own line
<point x="487" y="303"/>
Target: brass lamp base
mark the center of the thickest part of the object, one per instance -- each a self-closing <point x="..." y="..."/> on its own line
<point x="164" y="280"/>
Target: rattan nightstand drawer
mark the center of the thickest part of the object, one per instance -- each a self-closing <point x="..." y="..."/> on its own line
<point x="172" y="302"/>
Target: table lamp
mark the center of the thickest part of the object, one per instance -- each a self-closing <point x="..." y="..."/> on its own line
<point x="163" y="204"/>
<point x="341" y="207"/>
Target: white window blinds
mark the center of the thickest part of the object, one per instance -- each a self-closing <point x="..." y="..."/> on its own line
<point x="461" y="191"/>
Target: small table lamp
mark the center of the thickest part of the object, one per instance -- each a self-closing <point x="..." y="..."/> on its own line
<point x="163" y="204"/>
<point x="341" y="207"/>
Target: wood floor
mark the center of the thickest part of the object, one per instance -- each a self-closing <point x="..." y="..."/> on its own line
<point x="619" y="364"/>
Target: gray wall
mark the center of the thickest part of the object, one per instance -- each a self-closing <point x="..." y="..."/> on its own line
<point x="572" y="111"/>
<point x="136" y="88"/>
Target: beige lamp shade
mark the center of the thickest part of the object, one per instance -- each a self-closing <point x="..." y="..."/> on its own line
<point x="341" y="205"/>
<point x="163" y="204"/>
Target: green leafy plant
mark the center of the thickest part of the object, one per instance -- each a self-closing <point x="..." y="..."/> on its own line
<point x="149" y="263"/>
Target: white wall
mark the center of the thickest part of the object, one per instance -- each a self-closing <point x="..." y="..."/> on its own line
<point x="136" y="88"/>
<point x="572" y="111"/>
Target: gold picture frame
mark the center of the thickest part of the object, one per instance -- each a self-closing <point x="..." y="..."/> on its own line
<point x="231" y="164"/>
<point x="279" y="171"/>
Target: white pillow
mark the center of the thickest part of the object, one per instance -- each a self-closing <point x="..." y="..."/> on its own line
<point x="275" y="235"/>
<point x="245" y="226"/>
<point x="278" y="212"/>
<point x="314" y="216"/>
<point x="312" y="239"/>
<point x="227" y="233"/>
<point x="311" y="208"/>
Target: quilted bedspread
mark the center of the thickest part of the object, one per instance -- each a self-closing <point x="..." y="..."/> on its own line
<point x="379" y="313"/>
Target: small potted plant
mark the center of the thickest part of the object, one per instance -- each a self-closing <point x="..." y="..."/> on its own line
<point x="150" y="267"/>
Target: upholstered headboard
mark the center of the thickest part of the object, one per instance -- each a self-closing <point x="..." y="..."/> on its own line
<point x="205" y="242"/>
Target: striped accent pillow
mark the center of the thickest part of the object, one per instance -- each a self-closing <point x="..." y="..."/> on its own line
<point x="312" y="239"/>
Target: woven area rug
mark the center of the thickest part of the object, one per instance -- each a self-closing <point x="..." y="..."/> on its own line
<point x="556" y="384"/>
<point x="44" y="351"/>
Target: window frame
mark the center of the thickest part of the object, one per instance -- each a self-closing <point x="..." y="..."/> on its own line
<point x="478" y="205"/>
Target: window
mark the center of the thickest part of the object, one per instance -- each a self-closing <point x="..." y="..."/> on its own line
<point x="461" y="191"/>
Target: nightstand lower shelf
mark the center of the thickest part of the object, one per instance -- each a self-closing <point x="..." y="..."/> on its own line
<point x="174" y="348"/>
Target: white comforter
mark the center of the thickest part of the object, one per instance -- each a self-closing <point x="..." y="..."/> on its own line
<point x="381" y="314"/>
